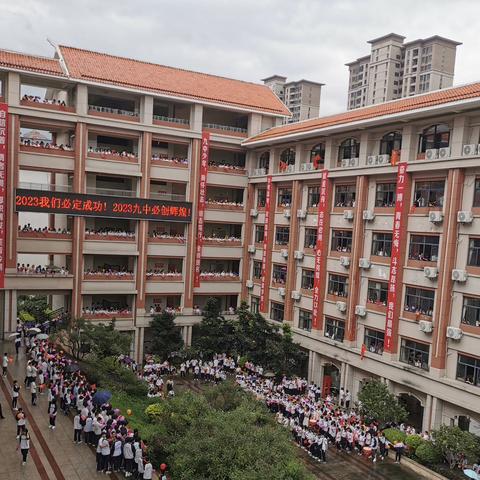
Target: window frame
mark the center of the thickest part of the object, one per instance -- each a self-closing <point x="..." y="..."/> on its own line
<point x="257" y="263"/>
<point x="377" y="337"/>
<point x="313" y="194"/>
<point x="318" y="149"/>
<point x="475" y="322"/>
<point x="275" y="307"/>
<point x="390" y="141"/>
<point x="413" y="347"/>
<point x="392" y="192"/>
<point x="428" y="187"/>
<point x="335" y="327"/>
<point x="282" y="232"/>
<point x="307" y="279"/>
<point x="283" y="271"/>
<point x="349" y="196"/>
<point x="261" y="197"/>
<point x="305" y="323"/>
<point x="333" y="281"/>
<point x="386" y="241"/>
<point x="415" y="292"/>
<point x="475" y="365"/>
<point x="257" y="236"/>
<point x="284" y="192"/>
<point x="473" y="252"/>
<point x="431" y="137"/>
<point x="420" y="242"/>
<point x="348" y="148"/>
<point x="308" y="235"/>
<point x="341" y="242"/>
<point x="288" y="155"/>
<point x="377" y="292"/>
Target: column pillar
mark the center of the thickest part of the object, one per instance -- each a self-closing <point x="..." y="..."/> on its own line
<point x="311" y="365"/>
<point x="427" y="414"/>
<point x="139" y="339"/>
<point x="437" y="412"/>
<point x="81" y="100"/>
<point x="13" y="90"/>
<point x="247" y="237"/>
<point x="146" y="109"/>
<point x="196" y="118"/>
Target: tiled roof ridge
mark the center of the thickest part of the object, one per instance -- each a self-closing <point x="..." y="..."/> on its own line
<point x="31" y="55"/>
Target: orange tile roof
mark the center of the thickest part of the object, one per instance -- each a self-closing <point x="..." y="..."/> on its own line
<point x="125" y="72"/>
<point x="398" y="106"/>
<point x="31" y="63"/>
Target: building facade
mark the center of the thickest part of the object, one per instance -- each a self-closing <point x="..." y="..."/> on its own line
<point x="395" y="69"/>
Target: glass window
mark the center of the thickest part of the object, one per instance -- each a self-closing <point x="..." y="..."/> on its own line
<point x="374" y="340"/>
<point x="474" y="252"/>
<point x="423" y="248"/>
<point x="419" y="301"/>
<point x="305" y="320"/>
<point x="288" y="156"/>
<point x="308" y="279"/>
<point x="310" y="238"/>
<point x="261" y="197"/>
<point x="377" y="293"/>
<point x="414" y="353"/>
<point x="284" y="197"/>
<point x="390" y="142"/>
<point x="276" y="311"/>
<point x="334" y="329"/>
<point x="476" y="195"/>
<point x="429" y="194"/>
<point x="382" y="244"/>
<point x="282" y="235"/>
<point x="471" y="311"/>
<point x="259" y="233"/>
<point x="317" y="156"/>
<point x="468" y="370"/>
<point x="385" y="195"/>
<point x="342" y="241"/>
<point x="338" y="285"/>
<point x="279" y="273"/>
<point x="254" y="304"/>
<point x="345" y="195"/>
<point x="436" y="136"/>
<point x="257" y="269"/>
<point x="264" y="160"/>
<point x="313" y="196"/>
<point x="349" y="148"/>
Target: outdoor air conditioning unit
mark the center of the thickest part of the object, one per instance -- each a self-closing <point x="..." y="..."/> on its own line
<point x="444" y="152"/>
<point x="435" y="216"/>
<point x="459" y="275"/>
<point x="281" y="291"/>
<point x="368" y="215"/>
<point x="372" y="160"/>
<point x="298" y="255"/>
<point x="464" y="217"/>
<point x="431" y="153"/>
<point x="260" y="171"/>
<point x="470" y="150"/>
<point x="306" y="167"/>
<point x="341" y="306"/>
<point x="353" y="162"/>
<point x="249" y="283"/>
<point x="384" y="159"/>
<point x="284" y="253"/>
<point x="360" y="310"/>
<point x="345" y="261"/>
<point x="364" y="263"/>
<point x="254" y="212"/>
<point x="425" y="326"/>
<point x="430" y="272"/>
<point x="296" y="295"/>
<point x="301" y="214"/>
<point x="290" y="168"/>
<point x="345" y="162"/>
<point x="348" y="214"/>
<point x="454" y="333"/>
<point x="252" y="249"/>
<point x="287" y="213"/>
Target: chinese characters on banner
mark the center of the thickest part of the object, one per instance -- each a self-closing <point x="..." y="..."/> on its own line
<point x="202" y="196"/>
<point x="266" y="239"/>
<point x="319" y="254"/>
<point x="395" y="258"/>
<point x="3" y="179"/>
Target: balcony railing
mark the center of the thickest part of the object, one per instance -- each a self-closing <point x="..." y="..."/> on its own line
<point x="45" y="187"/>
<point x="168" y="196"/>
<point x="180" y="121"/>
<point x="114" y="111"/>
<point x="227" y="128"/>
<point x="111" y="192"/>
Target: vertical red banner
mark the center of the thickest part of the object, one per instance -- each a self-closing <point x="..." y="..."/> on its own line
<point x="202" y="196"/>
<point x="396" y="255"/>
<point x="3" y="189"/>
<point x="319" y="254"/>
<point x="266" y="239"/>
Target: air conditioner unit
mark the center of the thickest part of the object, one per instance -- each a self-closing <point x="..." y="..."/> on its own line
<point x="444" y="152"/>
<point x="341" y="306"/>
<point x="345" y="162"/>
<point x="281" y="291"/>
<point x="372" y="160"/>
<point x="424" y="326"/>
<point x="384" y="159"/>
<point x="301" y="214"/>
<point x="287" y="213"/>
<point x="435" y="216"/>
<point x="368" y="215"/>
<point x="454" y="333"/>
<point x="345" y="261"/>
<point x="290" y="168"/>
<point x="469" y="150"/>
<point x="459" y="275"/>
<point x="260" y="171"/>
<point x="252" y="249"/>
<point x="296" y="295"/>
<point x="249" y="283"/>
<point x="430" y="272"/>
<point x="464" y="217"/>
<point x="431" y="153"/>
<point x="353" y="162"/>
<point x="254" y="212"/>
<point x="306" y="167"/>
<point x="360" y="310"/>
<point x="284" y="253"/>
<point x="364" y="263"/>
<point x="348" y="214"/>
<point x="298" y="255"/>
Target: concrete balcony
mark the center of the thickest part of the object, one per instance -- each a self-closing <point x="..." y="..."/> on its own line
<point x="46" y="158"/>
<point x="222" y="250"/>
<point x="105" y="246"/>
<point x="166" y="247"/>
<point x="38" y="242"/>
<point x="227" y="177"/>
<point x="123" y="318"/>
<point x="113" y="113"/>
<point x="92" y="285"/>
<point x="223" y="214"/>
<point x="225" y="130"/>
<point x="219" y="285"/>
<point x="18" y="281"/>
<point x="171" y="122"/>
<point x="47" y="106"/>
<point x="165" y="285"/>
<point x="164" y="170"/>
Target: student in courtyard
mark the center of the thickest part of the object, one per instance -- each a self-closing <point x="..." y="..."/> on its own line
<point x="24" y="445"/>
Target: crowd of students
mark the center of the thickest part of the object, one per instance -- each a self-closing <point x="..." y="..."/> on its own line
<point x="111" y="151"/>
<point x="37" y="99"/>
<point x="43" y="230"/>
<point x="99" y="310"/>
<point x="27" y="269"/>
<point x="161" y="273"/>
<point x="109" y="232"/>
<point x="177" y="236"/>
<point x="109" y="271"/>
<point x="166" y="158"/>
<point x="225" y="166"/>
<point x="28" y="142"/>
<point x="225" y="239"/>
<point x="225" y="202"/>
<point x="219" y="275"/>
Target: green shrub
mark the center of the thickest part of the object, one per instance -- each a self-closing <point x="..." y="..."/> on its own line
<point x="428" y="454"/>
<point x="393" y="435"/>
<point x="154" y="411"/>
<point x="413" y="442"/>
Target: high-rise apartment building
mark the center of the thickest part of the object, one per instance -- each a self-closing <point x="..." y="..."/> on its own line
<point x="395" y="69"/>
<point x="301" y="97"/>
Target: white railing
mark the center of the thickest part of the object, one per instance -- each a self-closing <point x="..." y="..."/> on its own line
<point x="117" y="111"/>
<point x="227" y="128"/>
<point x="161" y="118"/>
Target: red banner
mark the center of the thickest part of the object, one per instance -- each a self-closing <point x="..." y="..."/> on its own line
<point x="266" y="240"/>
<point x="202" y="197"/>
<point x="3" y="189"/>
<point x="396" y="257"/>
<point x="319" y="253"/>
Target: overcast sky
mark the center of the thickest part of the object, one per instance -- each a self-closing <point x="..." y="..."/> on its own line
<point x="245" y="39"/>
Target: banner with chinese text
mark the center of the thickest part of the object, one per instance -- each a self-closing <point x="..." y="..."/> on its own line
<point x="3" y="187"/>
<point x="266" y="239"/>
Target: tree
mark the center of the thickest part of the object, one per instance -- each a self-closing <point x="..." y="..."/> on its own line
<point x="454" y="444"/>
<point x="243" y="330"/>
<point x="104" y="340"/>
<point x="35" y="306"/>
<point x="70" y="336"/>
<point x="166" y="335"/>
<point x="377" y="403"/>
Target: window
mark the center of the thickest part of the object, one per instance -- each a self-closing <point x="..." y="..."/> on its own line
<point x="317" y="156"/>
<point x="374" y="340"/>
<point x="436" y="136"/>
<point x="474" y="252"/>
<point x="334" y="329"/>
<point x="287" y="157"/>
<point x="345" y="195"/>
<point x="313" y="196"/>
<point x="338" y="285"/>
<point x="468" y="370"/>
<point x="423" y="248"/>
<point x="349" y="148"/>
<point x="254" y="304"/>
<point x="305" y="320"/>
<point x="308" y="279"/>
<point x="429" y="194"/>
<point x="259" y="233"/>
<point x="310" y="238"/>
<point x="342" y="241"/>
<point x="390" y="142"/>
<point x="261" y="197"/>
<point x="279" y="273"/>
<point x="471" y="311"/>
<point x="282" y="235"/>
<point x="377" y="293"/>
<point x="284" y="197"/>
<point x="476" y="195"/>
<point x="264" y="160"/>
<point x="414" y="353"/>
<point x="382" y="244"/>
<point x="257" y="269"/>
<point x="419" y="301"/>
<point x="276" y="311"/>
<point x="385" y="195"/>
